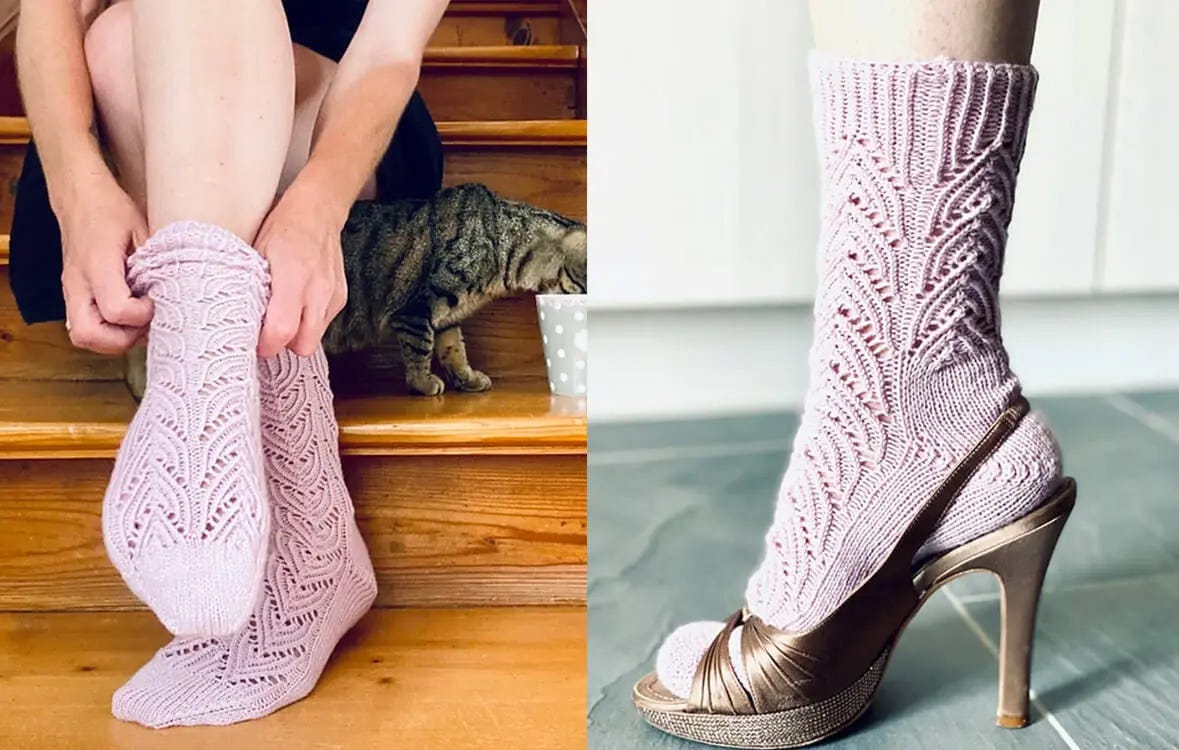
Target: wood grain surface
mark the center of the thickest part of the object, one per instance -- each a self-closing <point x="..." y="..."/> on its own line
<point x="446" y="531"/>
<point x="472" y="679"/>
<point x="44" y="350"/>
<point x="483" y="23"/>
<point x="56" y="419"/>
<point x="552" y="177"/>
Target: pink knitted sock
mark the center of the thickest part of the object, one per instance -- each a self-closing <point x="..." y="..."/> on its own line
<point x="319" y="580"/>
<point x="185" y="518"/>
<point x="908" y="369"/>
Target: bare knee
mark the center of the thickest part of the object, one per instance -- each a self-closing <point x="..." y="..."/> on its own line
<point x="110" y="59"/>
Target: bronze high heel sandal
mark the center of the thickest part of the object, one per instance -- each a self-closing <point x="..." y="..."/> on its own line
<point x="806" y="687"/>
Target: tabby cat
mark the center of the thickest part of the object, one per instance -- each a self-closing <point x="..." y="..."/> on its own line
<point x="416" y="269"/>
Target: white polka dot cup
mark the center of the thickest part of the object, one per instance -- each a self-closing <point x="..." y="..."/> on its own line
<point x="564" y="331"/>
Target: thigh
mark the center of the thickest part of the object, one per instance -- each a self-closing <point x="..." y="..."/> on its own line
<point x="412" y="165"/>
<point x="313" y="78"/>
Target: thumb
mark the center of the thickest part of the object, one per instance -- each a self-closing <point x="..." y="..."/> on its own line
<point x="139" y="232"/>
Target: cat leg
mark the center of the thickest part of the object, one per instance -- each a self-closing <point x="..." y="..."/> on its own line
<point x="415" y="334"/>
<point x="452" y="354"/>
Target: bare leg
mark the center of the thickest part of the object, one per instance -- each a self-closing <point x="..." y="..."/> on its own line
<point x="111" y="60"/>
<point x="898" y="30"/>
<point x="216" y="83"/>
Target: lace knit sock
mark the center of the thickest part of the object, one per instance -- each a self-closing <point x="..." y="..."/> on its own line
<point x="185" y="518"/>
<point x="319" y="580"/>
<point x="908" y="370"/>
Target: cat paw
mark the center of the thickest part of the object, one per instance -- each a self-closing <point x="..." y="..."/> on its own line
<point x="431" y="386"/>
<point x="474" y="382"/>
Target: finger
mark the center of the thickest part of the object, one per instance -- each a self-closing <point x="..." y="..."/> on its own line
<point x="310" y="333"/>
<point x="88" y="330"/>
<point x="140" y="335"/>
<point x="116" y="305"/>
<point x="139" y="233"/>
<point x="339" y="298"/>
<point x="281" y="322"/>
<point x="335" y="307"/>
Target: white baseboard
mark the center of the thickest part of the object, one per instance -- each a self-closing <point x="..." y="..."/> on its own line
<point x="657" y="364"/>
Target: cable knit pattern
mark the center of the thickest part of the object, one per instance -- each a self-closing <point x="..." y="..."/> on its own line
<point x="908" y="369"/>
<point x="185" y="518"/>
<point x="319" y="580"/>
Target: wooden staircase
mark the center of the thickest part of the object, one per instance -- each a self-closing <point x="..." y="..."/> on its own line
<point x="473" y="506"/>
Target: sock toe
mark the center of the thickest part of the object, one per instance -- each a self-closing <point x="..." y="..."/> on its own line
<point x="186" y="684"/>
<point x="676" y="662"/>
<point x="154" y="697"/>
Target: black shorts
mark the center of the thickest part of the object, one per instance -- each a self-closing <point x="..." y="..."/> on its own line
<point x="411" y="168"/>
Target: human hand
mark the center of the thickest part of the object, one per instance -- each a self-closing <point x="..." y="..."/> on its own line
<point x="301" y="240"/>
<point x="100" y="226"/>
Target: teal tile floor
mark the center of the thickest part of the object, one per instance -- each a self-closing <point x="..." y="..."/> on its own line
<point x="677" y="513"/>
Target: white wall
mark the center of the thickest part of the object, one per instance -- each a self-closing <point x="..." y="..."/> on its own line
<point x="702" y="191"/>
<point x="700" y="165"/>
<point x="1143" y="252"/>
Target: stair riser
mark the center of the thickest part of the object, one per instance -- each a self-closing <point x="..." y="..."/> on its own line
<point x="521" y="94"/>
<point x="552" y="177"/>
<point x="12" y="159"/>
<point x="503" y="340"/>
<point x="10" y="103"/>
<point x="442" y="531"/>
<point x="44" y="351"/>
<point x="513" y="29"/>
<point x="467" y="92"/>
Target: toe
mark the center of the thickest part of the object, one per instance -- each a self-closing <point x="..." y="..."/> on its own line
<point x="681" y="652"/>
<point x="675" y="665"/>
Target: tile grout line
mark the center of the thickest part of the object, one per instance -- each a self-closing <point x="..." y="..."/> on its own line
<point x="1145" y="416"/>
<point x="713" y="450"/>
<point x="976" y="598"/>
<point x="974" y="627"/>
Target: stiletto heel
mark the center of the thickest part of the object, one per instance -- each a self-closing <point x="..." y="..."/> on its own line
<point x="1021" y="595"/>
<point x="802" y="687"/>
<point x="1017" y="555"/>
<point x="1020" y="567"/>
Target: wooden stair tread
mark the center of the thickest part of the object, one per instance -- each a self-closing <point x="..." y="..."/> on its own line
<point x="564" y="56"/>
<point x="514" y="133"/>
<point x="63" y="419"/>
<point x="471" y="678"/>
<point x="15" y="131"/>
<point x="462" y="7"/>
